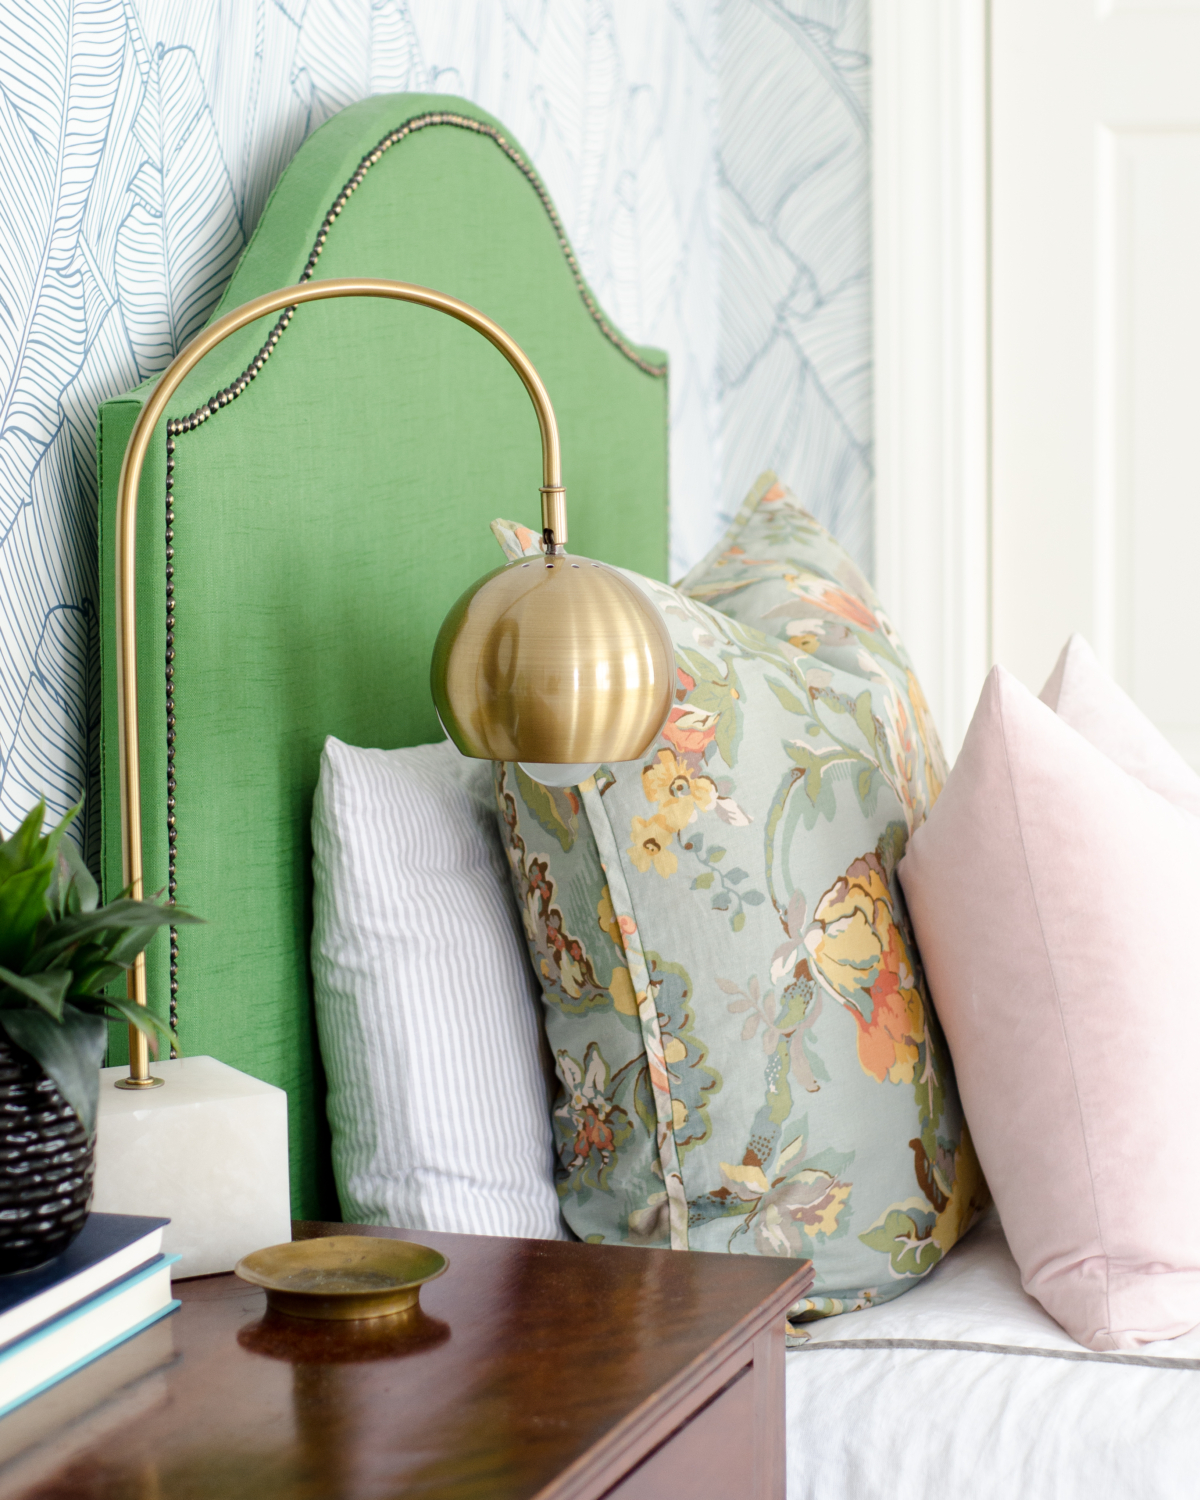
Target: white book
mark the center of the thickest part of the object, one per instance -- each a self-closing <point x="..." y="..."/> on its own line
<point x="59" y="1348"/>
<point x="110" y="1246"/>
<point x="47" y="1429"/>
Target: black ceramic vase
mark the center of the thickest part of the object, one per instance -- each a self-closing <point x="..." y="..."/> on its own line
<point x="46" y="1164"/>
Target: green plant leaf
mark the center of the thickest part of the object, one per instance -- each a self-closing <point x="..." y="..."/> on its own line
<point x="58" y="890"/>
<point x="62" y="894"/>
<point x="153" y="1027"/>
<point x="119" y="918"/>
<point x="57" y="944"/>
<point x="70" y="1051"/>
<point x="54" y="838"/>
<point x="83" y="894"/>
<point x="92" y="978"/>
<point x="129" y="944"/>
<point x="21" y="850"/>
<point x="30" y="859"/>
<point x="46" y="990"/>
<point x="22" y="909"/>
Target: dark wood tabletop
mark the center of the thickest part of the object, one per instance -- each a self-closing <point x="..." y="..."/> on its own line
<point x="528" y="1361"/>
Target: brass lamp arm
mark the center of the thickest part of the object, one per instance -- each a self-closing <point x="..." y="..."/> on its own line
<point x="553" y="524"/>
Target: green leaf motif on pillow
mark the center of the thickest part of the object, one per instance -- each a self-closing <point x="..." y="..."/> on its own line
<point x="555" y="808"/>
<point x="905" y="1236"/>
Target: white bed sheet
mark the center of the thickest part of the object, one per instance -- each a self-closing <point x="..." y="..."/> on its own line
<point x="964" y="1387"/>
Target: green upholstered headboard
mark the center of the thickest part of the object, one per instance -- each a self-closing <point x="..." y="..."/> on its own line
<point x="330" y="505"/>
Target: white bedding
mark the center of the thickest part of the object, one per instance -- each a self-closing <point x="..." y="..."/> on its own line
<point x="965" y="1387"/>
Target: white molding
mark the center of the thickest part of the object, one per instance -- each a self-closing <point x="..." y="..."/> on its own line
<point x="931" y="346"/>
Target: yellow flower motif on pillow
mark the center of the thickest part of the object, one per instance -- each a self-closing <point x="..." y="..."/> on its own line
<point x="620" y="987"/>
<point x="651" y="845"/>
<point x="807" y="641"/>
<point x="935" y="760"/>
<point x="862" y="959"/>
<point x="608" y="917"/>
<point x="809" y="1203"/>
<point x="678" y="790"/>
<point x="968" y="1198"/>
<point x="571" y="974"/>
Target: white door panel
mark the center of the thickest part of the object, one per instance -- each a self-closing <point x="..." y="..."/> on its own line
<point x="1150" y="323"/>
<point x="1096" y="343"/>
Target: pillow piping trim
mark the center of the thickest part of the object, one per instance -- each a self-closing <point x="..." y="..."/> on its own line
<point x="639" y="974"/>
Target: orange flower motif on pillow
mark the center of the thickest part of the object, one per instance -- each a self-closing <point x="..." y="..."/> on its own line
<point x="678" y="790"/>
<point x="814" y="589"/>
<point x="861" y="958"/>
<point x="651" y="845"/>
<point x="690" y="730"/>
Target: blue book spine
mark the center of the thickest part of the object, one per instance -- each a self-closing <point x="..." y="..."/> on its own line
<point x="88" y="1358"/>
<point x="102" y="1235"/>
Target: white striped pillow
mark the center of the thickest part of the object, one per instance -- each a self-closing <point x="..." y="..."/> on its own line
<point x="426" y="1006"/>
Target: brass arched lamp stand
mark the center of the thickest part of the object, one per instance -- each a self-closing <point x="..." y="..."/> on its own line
<point x="559" y="661"/>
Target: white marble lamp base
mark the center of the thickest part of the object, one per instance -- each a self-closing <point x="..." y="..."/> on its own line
<point x="208" y="1150"/>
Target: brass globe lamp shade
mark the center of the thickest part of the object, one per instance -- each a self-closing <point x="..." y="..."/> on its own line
<point x="558" y="662"/>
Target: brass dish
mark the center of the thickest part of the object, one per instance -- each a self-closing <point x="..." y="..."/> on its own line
<point x="342" y="1275"/>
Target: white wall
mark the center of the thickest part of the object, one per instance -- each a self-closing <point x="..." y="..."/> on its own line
<point x="139" y="140"/>
<point x="929" y="214"/>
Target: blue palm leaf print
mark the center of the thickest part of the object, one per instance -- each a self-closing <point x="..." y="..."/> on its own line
<point x="139" y="140"/>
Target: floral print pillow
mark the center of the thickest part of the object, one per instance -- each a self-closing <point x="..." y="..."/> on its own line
<point x="746" y="1054"/>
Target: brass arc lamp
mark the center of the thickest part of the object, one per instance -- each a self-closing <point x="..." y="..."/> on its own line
<point x="556" y="662"/>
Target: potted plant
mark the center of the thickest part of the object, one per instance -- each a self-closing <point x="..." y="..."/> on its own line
<point x="59" y="951"/>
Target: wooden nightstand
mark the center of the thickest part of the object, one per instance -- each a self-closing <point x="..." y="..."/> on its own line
<point x="535" y="1369"/>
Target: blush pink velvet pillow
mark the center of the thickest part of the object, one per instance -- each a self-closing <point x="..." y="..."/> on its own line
<point x="1082" y="694"/>
<point x="1056" y="899"/>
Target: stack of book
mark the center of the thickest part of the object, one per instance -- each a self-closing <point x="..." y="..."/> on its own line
<point x="109" y="1285"/>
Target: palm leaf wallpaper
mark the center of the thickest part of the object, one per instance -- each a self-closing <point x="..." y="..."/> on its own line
<point x="709" y="159"/>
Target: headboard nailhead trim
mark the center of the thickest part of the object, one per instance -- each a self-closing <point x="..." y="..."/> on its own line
<point x="178" y="425"/>
<point x="170" y="674"/>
